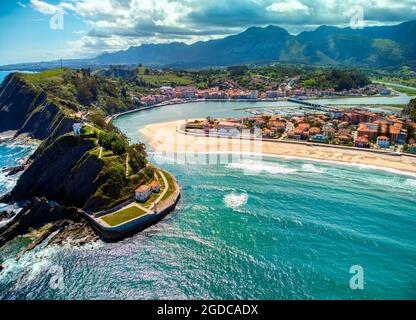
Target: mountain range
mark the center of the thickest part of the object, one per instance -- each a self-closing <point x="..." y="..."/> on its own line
<point x="377" y="46"/>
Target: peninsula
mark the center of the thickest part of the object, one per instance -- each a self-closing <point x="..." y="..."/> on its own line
<point x="84" y="168"/>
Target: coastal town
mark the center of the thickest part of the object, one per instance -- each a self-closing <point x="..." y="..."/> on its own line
<point x="230" y="90"/>
<point x="349" y="127"/>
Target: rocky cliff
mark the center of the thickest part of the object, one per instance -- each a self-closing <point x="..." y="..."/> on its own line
<point x="68" y="173"/>
<point x="65" y="172"/>
<point x="28" y="109"/>
<point x="41" y="212"/>
<point x="62" y="173"/>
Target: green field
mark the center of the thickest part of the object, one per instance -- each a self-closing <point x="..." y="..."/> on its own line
<point x="122" y="216"/>
<point x="407" y="91"/>
<point x="44" y="76"/>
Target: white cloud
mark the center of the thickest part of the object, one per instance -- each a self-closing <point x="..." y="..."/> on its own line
<point x="21" y="4"/>
<point x="47" y="8"/>
<point x="117" y="24"/>
<point x="43" y="7"/>
<point x="288" y="6"/>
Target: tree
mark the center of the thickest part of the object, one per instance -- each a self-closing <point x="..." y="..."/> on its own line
<point x="112" y="105"/>
<point x="115" y="180"/>
<point x="105" y="139"/>
<point x="237" y="70"/>
<point x="85" y="96"/>
<point x="97" y="118"/>
<point x="137" y="157"/>
<point x="119" y="147"/>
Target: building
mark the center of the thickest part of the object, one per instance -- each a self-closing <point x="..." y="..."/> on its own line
<point x="383" y="142"/>
<point x="143" y="193"/>
<point x="361" y="142"/>
<point x="77" y="128"/>
<point x="314" y="131"/>
<point x="155" y="185"/>
<point x="355" y="116"/>
<point x="329" y="132"/>
<point x="318" y="138"/>
<point x="368" y="129"/>
<point x="267" y="133"/>
<point x="372" y="130"/>
<point x="335" y="114"/>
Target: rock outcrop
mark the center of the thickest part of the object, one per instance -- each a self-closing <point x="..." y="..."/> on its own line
<point x="61" y="174"/>
<point x="30" y="111"/>
<point x="37" y="213"/>
<point x="64" y="172"/>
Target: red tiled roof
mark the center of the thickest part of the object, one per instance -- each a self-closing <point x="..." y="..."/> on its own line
<point x="142" y="188"/>
<point x="362" y="139"/>
<point x="154" y="184"/>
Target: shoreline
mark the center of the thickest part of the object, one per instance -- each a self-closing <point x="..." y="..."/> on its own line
<point x="172" y="103"/>
<point x="164" y="137"/>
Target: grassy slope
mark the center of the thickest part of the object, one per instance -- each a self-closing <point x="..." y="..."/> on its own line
<point x="163" y="79"/>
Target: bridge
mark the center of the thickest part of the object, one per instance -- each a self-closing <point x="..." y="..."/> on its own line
<point x="315" y="106"/>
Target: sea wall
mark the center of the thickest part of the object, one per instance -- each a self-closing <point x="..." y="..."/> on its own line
<point x="122" y="231"/>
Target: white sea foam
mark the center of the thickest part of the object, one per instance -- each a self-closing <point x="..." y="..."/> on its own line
<point x="410" y="183"/>
<point x="251" y="166"/>
<point x="312" y="168"/>
<point x="333" y="162"/>
<point x="7" y="182"/>
<point x="234" y="200"/>
<point x="30" y="266"/>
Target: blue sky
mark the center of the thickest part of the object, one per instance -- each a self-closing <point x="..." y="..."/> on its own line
<point x="95" y="26"/>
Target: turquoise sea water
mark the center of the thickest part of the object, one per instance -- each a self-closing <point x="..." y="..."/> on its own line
<point x="291" y="232"/>
<point x="11" y="155"/>
<point x="275" y="229"/>
<point x="3" y="74"/>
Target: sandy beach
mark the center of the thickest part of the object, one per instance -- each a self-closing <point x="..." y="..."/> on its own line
<point x="164" y="138"/>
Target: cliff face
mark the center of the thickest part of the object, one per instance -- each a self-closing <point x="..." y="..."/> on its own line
<point x="29" y="110"/>
<point x="64" y="171"/>
<point x="67" y="172"/>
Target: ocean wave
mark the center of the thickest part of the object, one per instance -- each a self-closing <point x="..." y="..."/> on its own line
<point x="307" y="167"/>
<point x="252" y="166"/>
<point x="395" y="182"/>
<point x="12" y="154"/>
<point x="29" y="267"/>
<point x="234" y="200"/>
<point x="7" y="182"/>
<point x="411" y="183"/>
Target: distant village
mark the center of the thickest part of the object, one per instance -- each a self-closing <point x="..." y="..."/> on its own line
<point x="346" y="127"/>
<point x="287" y="89"/>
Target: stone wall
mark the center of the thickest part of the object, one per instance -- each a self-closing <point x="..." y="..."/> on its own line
<point x="129" y="228"/>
